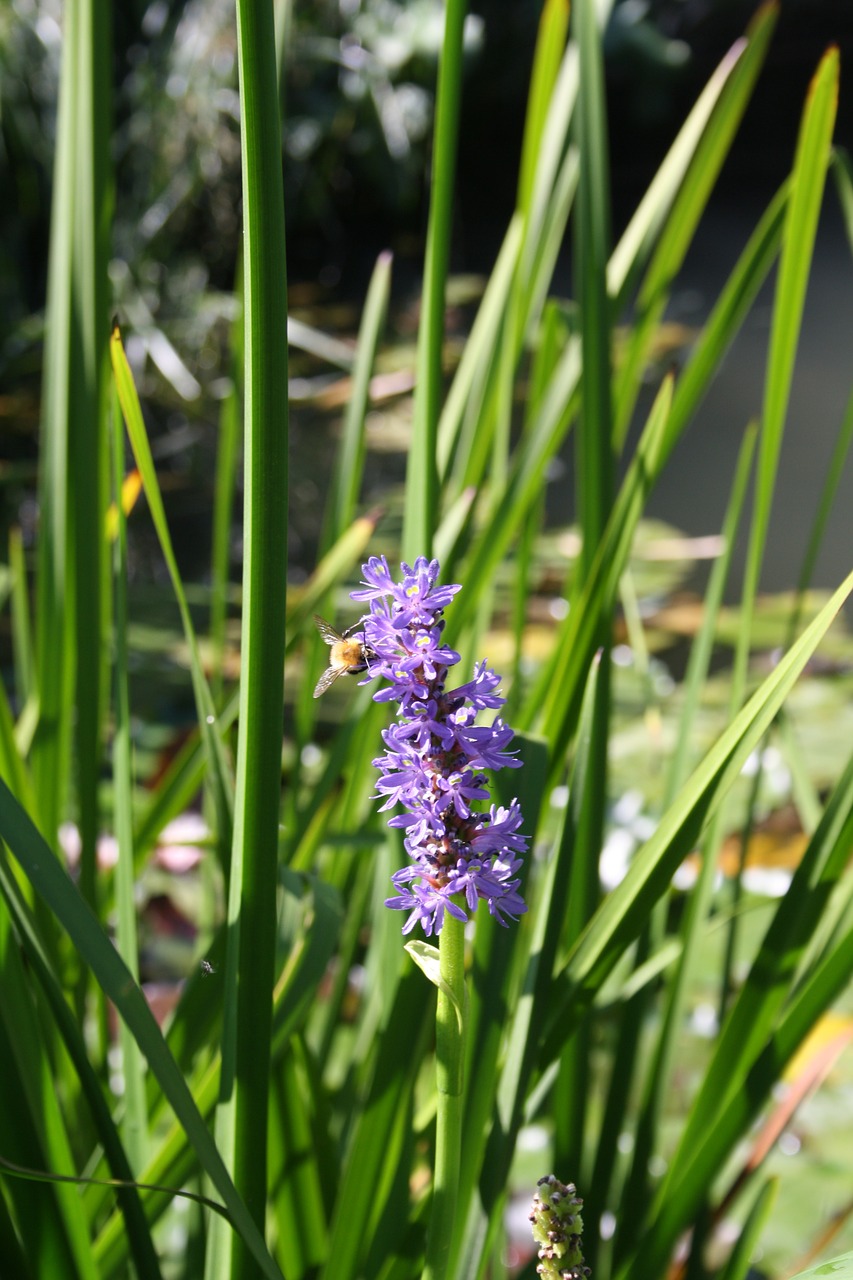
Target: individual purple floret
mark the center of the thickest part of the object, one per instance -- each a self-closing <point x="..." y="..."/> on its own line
<point x="435" y="756"/>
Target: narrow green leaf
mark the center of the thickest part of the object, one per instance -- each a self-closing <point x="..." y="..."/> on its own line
<point x="556" y="695"/>
<point x="657" y="1078"/>
<point x="421" y="506"/>
<point x="349" y="460"/>
<point x="54" y="649"/>
<point x="222" y="784"/>
<point x="135" y="1119"/>
<point x="692" y="198"/>
<point x="242" y="1113"/>
<point x="33" y="1133"/>
<point x="824" y="984"/>
<point x="840" y="1268"/>
<point x="87" y="459"/>
<point x="807" y="183"/>
<point x="639" y="237"/>
<point x="58" y="893"/>
<point x="622" y="911"/>
<point x="479" y="346"/>
<point x="136" y="1237"/>
<point x="550" y="46"/>
<point x="732" y="306"/>
<point x="380" y="1133"/>
<point x="227" y="453"/>
<point x="774" y="970"/>
<point x="738" y="1264"/>
<point x="524" y="483"/>
<point x="594" y="477"/>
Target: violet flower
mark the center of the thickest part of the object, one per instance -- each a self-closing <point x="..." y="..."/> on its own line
<point x="436" y="756"/>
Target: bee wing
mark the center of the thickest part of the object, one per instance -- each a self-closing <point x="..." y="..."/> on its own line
<point x="327" y="631"/>
<point x="327" y="679"/>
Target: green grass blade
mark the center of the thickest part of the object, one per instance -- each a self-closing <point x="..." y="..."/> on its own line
<point x="524" y="483"/>
<point x="53" y="630"/>
<point x="700" y="653"/>
<point x="309" y="949"/>
<point x="137" y="1238"/>
<point x="657" y="1077"/>
<point x="807" y="184"/>
<point x="550" y="46"/>
<point x="738" y="1263"/>
<point x="774" y="970"/>
<point x="88" y="439"/>
<point x="297" y="1202"/>
<point x="241" y="1121"/>
<point x="824" y="985"/>
<point x="621" y="914"/>
<point x="13" y="767"/>
<point x="488" y="1148"/>
<point x="594" y="479"/>
<point x="689" y="205"/>
<point x="640" y="236"/>
<point x="840" y="1267"/>
<point x="593" y="495"/>
<point x="373" y="1165"/>
<point x="36" y="1137"/>
<point x="421" y="509"/>
<point x="56" y="891"/>
<point x="222" y="785"/>
<point x="556" y="694"/>
<point x="178" y="786"/>
<point x="479" y="347"/>
<point x="497" y="956"/>
<point x="227" y="454"/>
<point x="349" y="461"/>
<point x="135" y="1119"/>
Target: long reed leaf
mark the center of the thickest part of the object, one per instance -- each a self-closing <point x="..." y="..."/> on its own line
<point x="421" y="509"/>
<point x="59" y="895"/>
<point x="241" y="1122"/>
<point x="687" y="209"/>
<point x="621" y="912"/>
<point x="222" y="785"/>
<point x="137" y="1239"/>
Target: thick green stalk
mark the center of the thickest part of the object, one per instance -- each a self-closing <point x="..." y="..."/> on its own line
<point x="449" y="1059"/>
<point x="421" y="511"/>
<point x="592" y="246"/>
<point x="87" y="434"/>
<point x="242" y="1121"/>
<point x="53" y="633"/>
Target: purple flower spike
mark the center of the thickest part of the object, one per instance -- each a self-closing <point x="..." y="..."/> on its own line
<point x="435" y="756"/>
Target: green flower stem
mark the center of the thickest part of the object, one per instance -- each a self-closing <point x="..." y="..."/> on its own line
<point x="449" y="1058"/>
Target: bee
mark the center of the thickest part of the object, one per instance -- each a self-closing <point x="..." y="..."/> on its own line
<point x="350" y="655"/>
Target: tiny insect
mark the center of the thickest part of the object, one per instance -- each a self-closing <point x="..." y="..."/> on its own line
<point x="349" y="654"/>
<point x="207" y="968"/>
